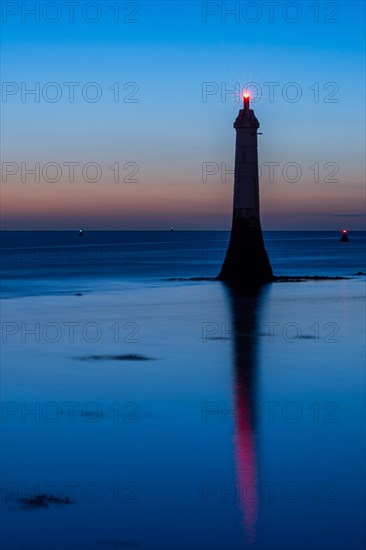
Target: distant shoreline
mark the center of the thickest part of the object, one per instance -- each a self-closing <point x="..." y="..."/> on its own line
<point x="279" y="279"/>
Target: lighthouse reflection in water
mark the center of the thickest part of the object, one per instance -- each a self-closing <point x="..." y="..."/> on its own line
<point x="245" y="309"/>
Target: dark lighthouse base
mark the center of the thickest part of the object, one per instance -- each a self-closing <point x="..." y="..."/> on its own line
<point x="246" y="262"/>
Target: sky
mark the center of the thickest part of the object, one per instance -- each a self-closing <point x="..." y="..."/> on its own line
<point x="130" y="122"/>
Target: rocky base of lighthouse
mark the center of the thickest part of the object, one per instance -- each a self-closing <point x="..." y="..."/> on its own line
<point x="246" y="261"/>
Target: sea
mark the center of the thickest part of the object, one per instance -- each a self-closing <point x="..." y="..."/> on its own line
<point x="146" y="405"/>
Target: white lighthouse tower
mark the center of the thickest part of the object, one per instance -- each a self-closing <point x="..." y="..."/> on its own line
<point x="246" y="260"/>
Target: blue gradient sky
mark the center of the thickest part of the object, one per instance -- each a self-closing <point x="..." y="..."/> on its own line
<point x="170" y="131"/>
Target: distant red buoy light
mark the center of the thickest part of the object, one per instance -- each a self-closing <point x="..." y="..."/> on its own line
<point x="344" y="238"/>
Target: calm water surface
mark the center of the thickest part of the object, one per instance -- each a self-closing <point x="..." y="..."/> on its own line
<point x="176" y="414"/>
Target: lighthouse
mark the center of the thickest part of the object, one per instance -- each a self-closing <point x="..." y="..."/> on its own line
<point x="246" y="261"/>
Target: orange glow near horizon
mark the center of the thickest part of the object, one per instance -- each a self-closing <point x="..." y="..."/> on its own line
<point x="174" y="199"/>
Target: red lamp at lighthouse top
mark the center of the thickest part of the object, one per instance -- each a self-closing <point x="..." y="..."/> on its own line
<point x="246" y="98"/>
